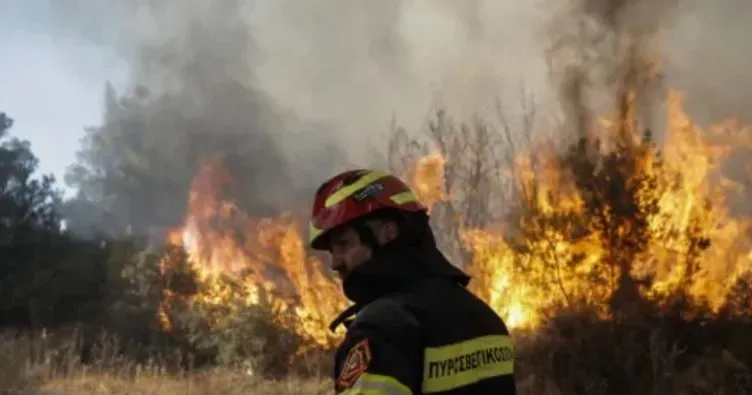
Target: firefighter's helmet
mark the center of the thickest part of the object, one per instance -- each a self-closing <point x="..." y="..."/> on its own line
<point x="355" y="194"/>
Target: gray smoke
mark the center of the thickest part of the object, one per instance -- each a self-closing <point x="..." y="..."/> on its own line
<point x="708" y="56"/>
<point x="349" y="64"/>
<point x="701" y="47"/>
<point x="316" y="83"/>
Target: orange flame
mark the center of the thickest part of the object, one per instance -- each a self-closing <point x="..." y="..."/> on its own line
<point x="694" y="245"/>
<point x="266" y="258"/>
<point x="559" y="254"/>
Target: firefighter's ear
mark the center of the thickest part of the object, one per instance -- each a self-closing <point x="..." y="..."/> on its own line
<point x="388" y="230"/>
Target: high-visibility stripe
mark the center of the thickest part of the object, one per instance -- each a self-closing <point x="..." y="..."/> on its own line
<point x="313" y="232"/>
<point x="404" y="197"/>
<point x="467" y="362"/>
<point x="376" y="384"/>
<point x="348" y="190"/>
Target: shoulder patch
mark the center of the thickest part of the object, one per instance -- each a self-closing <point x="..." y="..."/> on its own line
<point x="355" y="364"/>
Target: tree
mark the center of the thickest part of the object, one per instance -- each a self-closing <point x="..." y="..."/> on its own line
<point x="25" y="201"/>
<point x="134" y="172"/>
<point x="45" y="275"/>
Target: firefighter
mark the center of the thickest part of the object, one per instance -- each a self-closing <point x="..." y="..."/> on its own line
<point x="416" y="328"/>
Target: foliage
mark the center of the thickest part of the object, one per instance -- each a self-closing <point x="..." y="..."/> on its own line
<point x="250" y="337"/>
<point x="46" y="275"/>
<point x="133" y="171"/>
<point x="256" y="337"/>
<point x="578" y="353"/>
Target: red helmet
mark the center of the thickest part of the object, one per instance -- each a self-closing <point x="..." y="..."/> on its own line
<point x="355" y="194"/>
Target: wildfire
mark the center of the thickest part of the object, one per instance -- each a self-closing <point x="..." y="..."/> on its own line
<point x="428" y="179"/>
<point x="667" y="217"/>
<point x="576" y="240"/>
<point x="241" y="261"/>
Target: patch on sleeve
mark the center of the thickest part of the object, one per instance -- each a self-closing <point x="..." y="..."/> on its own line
<point x="356" y="362"/>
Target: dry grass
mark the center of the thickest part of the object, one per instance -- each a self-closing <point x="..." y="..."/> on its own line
<point x="42" y="364"/>
<point x="213" y="382"/>
<point x="39" y="380"/>
<point x="38" y="365"/>
<point x="571" y="355"/>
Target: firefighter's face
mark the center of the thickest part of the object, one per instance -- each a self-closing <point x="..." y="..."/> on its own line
<point x="348" y="251"/>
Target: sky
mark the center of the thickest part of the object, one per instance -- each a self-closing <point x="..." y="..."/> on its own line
<point x="53" y="84"/>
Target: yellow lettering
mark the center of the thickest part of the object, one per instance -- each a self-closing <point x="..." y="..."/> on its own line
<point x="467" y="362"/>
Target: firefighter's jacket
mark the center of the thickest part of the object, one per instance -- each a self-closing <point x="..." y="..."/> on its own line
<point x="418" y="330"/>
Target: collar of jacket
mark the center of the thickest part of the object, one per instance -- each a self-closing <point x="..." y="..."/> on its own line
<point x="392" y="269"/>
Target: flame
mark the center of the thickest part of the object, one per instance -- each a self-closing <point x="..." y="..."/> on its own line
<point x="242" y="261"/>
<point x="562" y="246"/>
<point x="693" y="246"/>
<point x="428" y="179"/>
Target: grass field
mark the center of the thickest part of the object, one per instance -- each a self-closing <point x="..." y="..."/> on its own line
<point x="213" y="383"/>
<point x="33" y="366"/>
<point x="599" y="361"/>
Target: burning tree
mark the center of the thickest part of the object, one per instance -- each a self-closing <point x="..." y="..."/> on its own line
<point x="612" y="221"/>
<point x="609" y="218"/>
<point x="238" y="285"/>
<point x="629" y="228"/>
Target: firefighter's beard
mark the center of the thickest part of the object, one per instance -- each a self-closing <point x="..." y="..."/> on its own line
<point x="393" y="267"/>
<point x="387" y="270"/>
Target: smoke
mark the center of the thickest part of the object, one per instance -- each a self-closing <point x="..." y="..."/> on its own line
<point x="601" y="50"/>
<point x="607" y="46"/>
<point x="313" y="85"/>
<point x="352" y="64"/>
<point x="706" y="57"/>
<point x="361" y="62"/>
<point x="697" y="45"/>
<point x="292" y="92"/>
